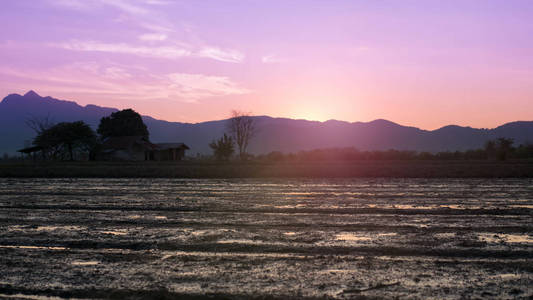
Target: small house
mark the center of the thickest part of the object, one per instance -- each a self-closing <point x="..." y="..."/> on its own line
<point x="169" y="151"/>
<point x="134" y="148"/>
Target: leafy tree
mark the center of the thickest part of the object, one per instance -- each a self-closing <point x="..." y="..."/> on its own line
<point x="499" y="148"/>
<point x="66" y="138"/>
<point x="505" y="147"/>
<point x="126" y="122"/>
<point x="242" y="128"/>
<point x="490" y="149"/>
<point x="524" y="151"/>
<point x="223" y="148"/>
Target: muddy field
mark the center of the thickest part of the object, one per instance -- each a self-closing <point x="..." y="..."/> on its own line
<point x="290" y="238"/>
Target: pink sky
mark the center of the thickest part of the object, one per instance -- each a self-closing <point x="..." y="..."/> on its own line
<point x="420" y="63"/>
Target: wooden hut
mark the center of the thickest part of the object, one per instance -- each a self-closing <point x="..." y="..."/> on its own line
<point x="133" y="148"/>
<point x="169" y="151"/>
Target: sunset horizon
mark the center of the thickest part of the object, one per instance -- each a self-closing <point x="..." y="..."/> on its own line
<point x="228" y="116"/>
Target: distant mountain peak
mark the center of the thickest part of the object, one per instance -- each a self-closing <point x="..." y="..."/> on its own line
<point x="383" y="122"/>
<point x="32" y="94"/>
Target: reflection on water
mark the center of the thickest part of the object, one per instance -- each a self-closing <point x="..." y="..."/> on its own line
<point x="506" y="238"/>
<point x="85" y="263"/>
<point x="117" y="232"/>
<point x="522" y="206"/>
<point x="52" y="228"/>
<point x="33" y="247"/>
<point x="346" y="236"/>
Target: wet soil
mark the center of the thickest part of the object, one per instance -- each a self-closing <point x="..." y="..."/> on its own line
<point x="265" y="239"/>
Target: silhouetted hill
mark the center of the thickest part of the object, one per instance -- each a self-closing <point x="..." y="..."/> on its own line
<point x="274" y="134"/>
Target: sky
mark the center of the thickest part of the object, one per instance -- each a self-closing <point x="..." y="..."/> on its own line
<point x="426" y="63"/>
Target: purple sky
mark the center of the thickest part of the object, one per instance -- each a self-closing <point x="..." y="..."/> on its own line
<point x="421" y="63"/>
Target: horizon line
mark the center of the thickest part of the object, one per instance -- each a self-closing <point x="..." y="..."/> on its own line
<point x="273" y="117"/>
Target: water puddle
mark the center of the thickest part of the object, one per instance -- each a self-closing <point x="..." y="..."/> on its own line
<point x="507" y="238"/>
<point x="388" y="234"/>
<point x="346" y="236"/>
<point x="117" y="232"/>
<point x="85" y="263"/>
<point x="452" y="206"/>
<point x="33" y="297"/>
<point x="507" y="276"/>
<point x="33" y="247"/>
<point x="168" y="255"/>
<point x="521" y="206"/>
<point x="290" y="206"/>
<point x="411" y="206"/>
<point x="52" y="228"/>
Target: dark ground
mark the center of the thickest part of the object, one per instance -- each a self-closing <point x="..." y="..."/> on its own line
<point x="250" y="238"/>
<point x="332" y="169"/>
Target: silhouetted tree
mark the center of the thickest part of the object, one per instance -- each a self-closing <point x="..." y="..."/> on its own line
<point x="126" y="122"/>
<point x="242" y="128"/>
<point x="40" y="124"/>
<point x="490" y="149"/>
<point x="223" y="149"/>
<point x="66" y="137"/>
<point x="504" y="146"/>
<point x="524" y="151"/>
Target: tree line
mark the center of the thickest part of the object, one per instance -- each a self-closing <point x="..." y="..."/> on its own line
<point x="76" y="140"/>
<point x="498" y="149"/>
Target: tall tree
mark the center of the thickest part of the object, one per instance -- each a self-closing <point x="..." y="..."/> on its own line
<point x="66" y="138"/>
<point x="126" y="122"/>
<point x="505" y="147"/>
<point x="490" y="149"/>
<point x="242" y="128"/>
<point x="223" y="149"/>
<point x="499" y="148"/>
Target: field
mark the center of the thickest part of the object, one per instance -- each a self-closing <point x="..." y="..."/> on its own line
<point x="363" y="238"/>
<point x="283" y="169"/>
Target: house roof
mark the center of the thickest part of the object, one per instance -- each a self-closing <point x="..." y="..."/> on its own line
<point x="126" y="142"/>
<point x="30" y="149"/>
<point x="165" y="146"/>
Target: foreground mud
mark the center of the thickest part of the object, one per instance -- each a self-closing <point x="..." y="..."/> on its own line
<point x="339" y="239"/>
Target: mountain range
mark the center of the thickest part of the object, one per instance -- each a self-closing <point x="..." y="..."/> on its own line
<point x="273" y="134"/>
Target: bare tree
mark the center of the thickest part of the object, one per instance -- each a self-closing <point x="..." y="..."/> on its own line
<point x="40" y="124"/>
<point x="242" y="128"/>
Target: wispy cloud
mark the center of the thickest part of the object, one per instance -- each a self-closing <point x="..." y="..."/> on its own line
<point x="122" y="82"/>
<point x="272" y="59"/>
<point x="196" y="86"/>
<point x="137" y="11"/>
<point x="146" y="15"/>
<point x="153" y="37"/>
<point x="166" y="52"/>
<point x="158" y="52"/>
<point x="129" y="6"/>
<point x="221" y="55"/>
<point x="157" y="2"/>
